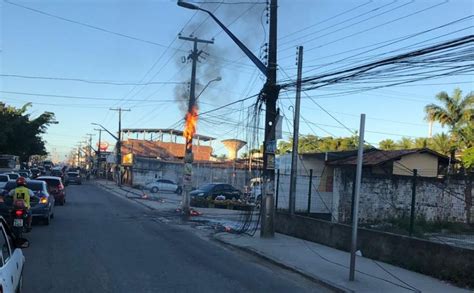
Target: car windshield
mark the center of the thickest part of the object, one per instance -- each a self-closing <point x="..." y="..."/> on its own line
<point x="13" y="176"/>
<point x="72" y="174"/>
<point x="51" y="182"/>
<point x="33" y="185"/>
<point x="206" y="187"/>
<point x="3" y="178"/>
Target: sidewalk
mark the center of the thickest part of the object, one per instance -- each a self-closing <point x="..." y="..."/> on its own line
<point x="331" y="266"/>
<point x="323" y="264"/>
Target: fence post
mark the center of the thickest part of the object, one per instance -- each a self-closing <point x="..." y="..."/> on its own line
<point x="309" y="190"/>
<point x="277" y="188"/>
<point x="413" y="197"/>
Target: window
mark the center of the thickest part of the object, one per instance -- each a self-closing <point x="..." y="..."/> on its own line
<point x="5" y="247"/>
<point x="3" y="178"/>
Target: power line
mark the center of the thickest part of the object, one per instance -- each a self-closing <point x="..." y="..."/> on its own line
<point x="105" y="82"/>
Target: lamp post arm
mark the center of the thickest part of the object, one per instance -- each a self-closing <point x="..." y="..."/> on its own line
<point x="247" y="52"/>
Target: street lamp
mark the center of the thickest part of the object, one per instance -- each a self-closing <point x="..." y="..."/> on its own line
<point x="269" y="93"/>
<point x="117" y="146"/>
<point x="208" y="83"/>
<point x="106" y="130"/>
<point x="246" y="50"/>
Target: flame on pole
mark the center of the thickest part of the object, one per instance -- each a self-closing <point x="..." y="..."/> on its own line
<point x="190" y="127"/>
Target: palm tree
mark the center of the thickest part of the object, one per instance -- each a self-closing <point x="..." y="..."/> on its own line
<point x="405" y="143"/>
<point x="456" y="113"/>
<point x="421" y="142"/>
<point x="441" y="143"/>
<point x="387" y="144"/>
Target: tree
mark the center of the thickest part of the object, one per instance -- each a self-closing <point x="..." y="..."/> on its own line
<point x="20" y="135"/>
<point x="456" y="113"/>
<point x="421" y="142"/>
<point x="468" y="158"/>
<point x="387" y="144"/>
<point x="441" y="143"/>
<point x="405" y="143"/>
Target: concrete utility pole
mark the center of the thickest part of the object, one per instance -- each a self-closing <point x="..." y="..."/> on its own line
<point x="270" y="92"/>
<point x="296" y="130"/>
<point x="78" y="154"/>
<point x="188" y="157"/>
<point x="98" y="149"/>
<point x="90" y="146"/>
<point x="119" y="144"/>
<point x="355" y="211"/>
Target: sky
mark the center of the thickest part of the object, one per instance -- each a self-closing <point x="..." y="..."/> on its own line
<point x="79" y="58"/>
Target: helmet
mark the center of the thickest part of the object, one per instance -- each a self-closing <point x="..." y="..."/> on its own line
<point x="21" y="181"/>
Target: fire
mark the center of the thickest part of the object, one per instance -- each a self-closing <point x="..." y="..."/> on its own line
<point x="191" y="123"/>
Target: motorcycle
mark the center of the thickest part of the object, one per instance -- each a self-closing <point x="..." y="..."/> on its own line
<point x="20" y="218"/>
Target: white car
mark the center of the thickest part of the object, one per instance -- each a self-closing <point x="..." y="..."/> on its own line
<point x="12" y="259"/>
<point x="164" y="185"/>
<point x="3" y="180"/>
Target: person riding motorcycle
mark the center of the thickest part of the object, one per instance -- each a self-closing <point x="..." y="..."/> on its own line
<point x="22" y="192"/>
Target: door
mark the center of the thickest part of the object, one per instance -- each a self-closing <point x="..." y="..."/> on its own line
<point x="170" y="186"/>
<point x="218" y="190"/>
<point x="10" y="267"/>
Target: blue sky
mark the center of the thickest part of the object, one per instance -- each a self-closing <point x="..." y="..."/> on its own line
<point x="38" y="45"/>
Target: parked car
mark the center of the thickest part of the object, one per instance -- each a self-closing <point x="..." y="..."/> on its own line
<point x="35" y="172"/>
<point x="55" y="188"/>
<point x="164" y="185"/>
<point x="12" y="260"/>
<point x="74" y="177"/>
<point x="3" y="180"/>
<point x="214" y="190"/>
<point x="42" y="203"/>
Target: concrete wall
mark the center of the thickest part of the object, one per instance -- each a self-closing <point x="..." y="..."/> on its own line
<point x="146" y="170"/>
<point x="435" y="259"/>
<point x="383" y="197"/>
<point x="426" y="164"/>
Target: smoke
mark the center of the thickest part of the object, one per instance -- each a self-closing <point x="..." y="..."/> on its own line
<point x="246" y="22"/>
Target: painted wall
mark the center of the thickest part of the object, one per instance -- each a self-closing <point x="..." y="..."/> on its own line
<point x="426" y="164"/>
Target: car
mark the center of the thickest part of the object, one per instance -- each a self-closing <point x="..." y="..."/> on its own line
<point x="55" y="188"/>
<point x="35" y="172"/>
<point x="58" y="172"/>
<point x="12" y="175"/>
<point x="12" y="261"/>
<point x="24" y="173"/>
<point x="42" y="203"/>
<point x="164" y="185"/>
<point x="74" y="177"/>
<point x="214" y="190"/>
<point x="3" y="180"/>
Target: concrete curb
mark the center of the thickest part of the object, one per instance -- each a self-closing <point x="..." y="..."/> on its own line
<point x="323" y="282"/>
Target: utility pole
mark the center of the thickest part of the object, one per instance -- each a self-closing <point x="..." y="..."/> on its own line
<point x="296" y="130"/>
<point x="270" y="92"/>
<point x="355" y="211"/>
<point x="188" y="157"/>
<point x="78" y="154"/>
<point x="119" y="145"/>
<point x="98" y="150"/>
<point x="90" y="147"/>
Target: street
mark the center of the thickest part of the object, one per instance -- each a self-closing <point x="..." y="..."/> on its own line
<point x="98" y="242"/>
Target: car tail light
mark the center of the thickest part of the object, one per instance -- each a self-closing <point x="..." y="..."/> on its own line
<point x="44" y="200"/>
<point x="60" y="187"/>
<point x="19" y="213"/>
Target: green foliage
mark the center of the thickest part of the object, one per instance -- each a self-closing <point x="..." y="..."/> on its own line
<point x="313" y="143"/>
<point x="468" y="158"/>
<point x="387" y="144"/>
<point x="20" y="134"/>
<point x="405" y="143"/>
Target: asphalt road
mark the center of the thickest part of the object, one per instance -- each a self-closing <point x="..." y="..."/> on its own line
<point x="101" y="243"/>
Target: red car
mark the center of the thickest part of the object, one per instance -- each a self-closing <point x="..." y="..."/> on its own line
<point x="55" y="188"/>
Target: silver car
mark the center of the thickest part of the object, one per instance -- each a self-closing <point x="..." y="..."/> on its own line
<point x="164" y="185"/>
